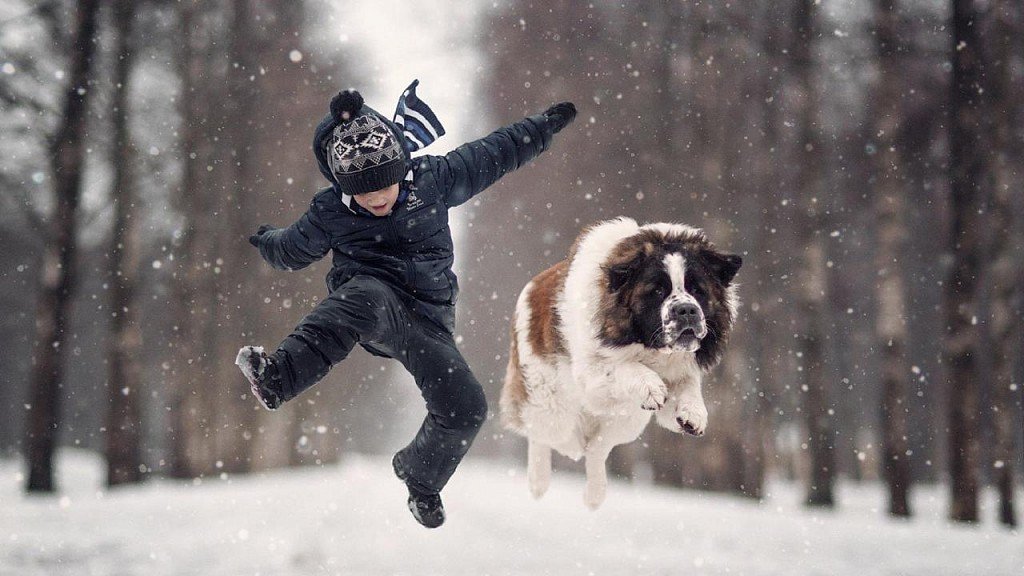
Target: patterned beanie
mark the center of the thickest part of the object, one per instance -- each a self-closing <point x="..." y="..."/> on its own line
<point x="365" y="155"/>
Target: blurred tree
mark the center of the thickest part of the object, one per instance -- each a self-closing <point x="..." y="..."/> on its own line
<point x="809" y="226"/>
<point x="58" y="279"/>
<point x="1004" y="27"/>
<point x="235" y="185"/>
<point x="925" y="156"/>
<point x="189" y="407"/>
<point x="29" y="108"/>
<point x="761" y="269"/>
<point x="889" y="194"/>
<point x="968" y="172"/>
<point x="124" y="426"/>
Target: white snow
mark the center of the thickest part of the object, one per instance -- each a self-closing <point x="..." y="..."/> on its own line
<point x="351" y="519"/>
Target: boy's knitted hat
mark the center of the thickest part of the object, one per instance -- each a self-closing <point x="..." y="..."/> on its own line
<point x="355" y="146"/>
<point x="364" y="153"/>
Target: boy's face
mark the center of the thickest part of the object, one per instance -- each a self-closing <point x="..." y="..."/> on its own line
<point x="379" y="202"/>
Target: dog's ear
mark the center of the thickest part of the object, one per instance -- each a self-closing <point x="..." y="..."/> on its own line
<point x="723" y="266"/>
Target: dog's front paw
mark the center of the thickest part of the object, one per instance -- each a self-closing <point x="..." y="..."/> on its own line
<point x="652" y="392"/>
<point x="692" y="419"/>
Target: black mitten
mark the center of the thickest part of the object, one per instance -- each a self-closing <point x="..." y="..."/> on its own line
<point x="255" y="238"/>
<point x="560" y="115"/>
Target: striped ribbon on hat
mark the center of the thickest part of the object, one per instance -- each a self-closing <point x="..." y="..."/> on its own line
<point x="417" y="120"/>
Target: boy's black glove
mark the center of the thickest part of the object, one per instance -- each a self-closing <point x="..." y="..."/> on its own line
<point x="255" y="238"/>
<point x="560" y="115"/>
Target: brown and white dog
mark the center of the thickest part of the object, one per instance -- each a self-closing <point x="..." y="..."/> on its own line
<point x="624" y="326"/>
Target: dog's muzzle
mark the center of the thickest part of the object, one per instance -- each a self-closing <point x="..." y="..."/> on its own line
<point x="685" y="327"/>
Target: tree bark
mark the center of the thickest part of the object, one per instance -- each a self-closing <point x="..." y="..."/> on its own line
<point x="1004" y="327"/>
<point x="890" y="291"/>
<point x="235" y="292"/>
<point x="810" y="187"/>
<point x="968" y="169"/>
<point x="67" y="154"/>
<point x="186" y="408"/>
<point x="764" y="310"/>
<point x="124" y="425"/>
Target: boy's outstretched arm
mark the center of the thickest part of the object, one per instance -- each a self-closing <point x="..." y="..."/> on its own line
<point x="296" y="246"/>
<point x="472" y="167"/>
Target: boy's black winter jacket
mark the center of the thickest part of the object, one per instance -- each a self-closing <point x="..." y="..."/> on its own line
<point x="411" y="248"/>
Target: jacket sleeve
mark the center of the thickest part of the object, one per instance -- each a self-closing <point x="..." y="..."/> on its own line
<point x="472" y="167"/>
<point x="299" y="245"/>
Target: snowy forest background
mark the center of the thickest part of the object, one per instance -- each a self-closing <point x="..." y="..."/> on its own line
<point x="863" y="156"/>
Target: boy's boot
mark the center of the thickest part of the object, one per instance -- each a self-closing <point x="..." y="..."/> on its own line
<point x="261" y="373"/>
<point x="427" y="509"/>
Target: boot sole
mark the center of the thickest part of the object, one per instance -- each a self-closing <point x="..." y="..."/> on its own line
<point x="410" y="503"/>
<point x="248" y="362"/>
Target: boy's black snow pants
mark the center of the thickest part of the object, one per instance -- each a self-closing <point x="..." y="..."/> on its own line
<point x="368" y="311"/>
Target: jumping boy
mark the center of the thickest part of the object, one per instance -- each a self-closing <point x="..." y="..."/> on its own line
<point x="392" y="289"/>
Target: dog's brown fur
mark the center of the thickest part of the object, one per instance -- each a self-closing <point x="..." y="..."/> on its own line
<point x="543" y="335"/>
<point x="514" y="393"/>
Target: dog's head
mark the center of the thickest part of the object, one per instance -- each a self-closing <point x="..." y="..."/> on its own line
<point x="668" y="288"/>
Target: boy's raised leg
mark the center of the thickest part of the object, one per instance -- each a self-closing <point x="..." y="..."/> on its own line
<point x="362" y="308"/>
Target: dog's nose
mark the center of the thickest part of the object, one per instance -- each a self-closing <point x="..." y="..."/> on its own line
<point x="687" y="312"/>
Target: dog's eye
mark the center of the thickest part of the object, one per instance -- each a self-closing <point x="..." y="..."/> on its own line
<point x="660" y="291"/>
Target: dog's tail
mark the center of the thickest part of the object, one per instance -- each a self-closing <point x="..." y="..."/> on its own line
<point x="513" y="392"/>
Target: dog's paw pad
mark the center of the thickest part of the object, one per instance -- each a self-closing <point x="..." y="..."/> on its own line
<point x="689" y="427"/>
<point x="652" y="404"/>
<point x="693" y="421"/>
<point x="655" y="396"/>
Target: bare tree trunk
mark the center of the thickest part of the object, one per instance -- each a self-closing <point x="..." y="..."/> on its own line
<point x="235" y="415"/>
<point x="890" y="290"/>
<point x="1005" y="325"/>
<point x="968" y="170"/>
<point x="124" y="425"/>
<point x="735" y="378"/>
<point x="810" y="187"/>
<point x="184" y="384"/>
<point x="67" y="155"/>
<point x="763" y="308"/>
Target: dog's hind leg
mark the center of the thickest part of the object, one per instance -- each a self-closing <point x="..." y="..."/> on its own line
<point x="538" y="468"/>
<point x="597" y="475"/>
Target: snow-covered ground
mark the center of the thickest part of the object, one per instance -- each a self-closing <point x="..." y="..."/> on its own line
<point x="351" y="519"/>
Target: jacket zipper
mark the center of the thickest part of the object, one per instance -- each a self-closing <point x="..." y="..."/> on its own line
<point x="398" y="245"/>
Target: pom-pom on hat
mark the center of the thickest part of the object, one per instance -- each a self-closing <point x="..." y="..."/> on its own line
<point x="363" y="152"/>
<point x="345" y="105"/>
